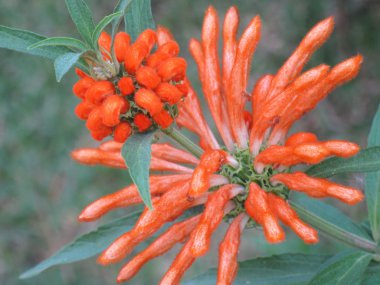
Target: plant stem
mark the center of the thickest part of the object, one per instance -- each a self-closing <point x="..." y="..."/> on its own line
<point x="183" y="141"/>
<point x="338" y="233"/>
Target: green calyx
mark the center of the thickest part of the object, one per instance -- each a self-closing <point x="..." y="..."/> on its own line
<point x="245" y="174"/>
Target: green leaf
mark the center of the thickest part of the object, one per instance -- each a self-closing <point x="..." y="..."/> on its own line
<point x="330" y="220"/>
<point x="284" y="269"/>
<point x="367" y="160"/>
<point x="20" y="40"/>
<point x="102" y="24"/>
<point x="60" y="41"/>
<point x="120" y="7"/>
<point x="372" y="274"/>
<point x="87" y="245"/>
<point x="138" y="17"/>
<point x="64" y="63"/>
<point x="342" y="269"/>
<point x="137" y="155"/>
<point x="82" y="18"/>
<point x="372" y="182"/>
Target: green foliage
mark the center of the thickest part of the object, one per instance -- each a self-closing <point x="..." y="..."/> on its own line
<point x="342" y="269"/>
<point x="367" y="160"/>
<point x="353" y="267"/>
<point x="372" y="185"/>
<point x="120" y="7"/>
<point x="60" y="41"/>
<point x="64" y="63"/>
<point x="137" y="155"/>
<point x="21" y="40"/>
<point x="138" y="17"/>
<point x="87" y="245"/>
<point x="102" y="24"/>
<point x="285" y="269"/>
<point x="82" y="18"/>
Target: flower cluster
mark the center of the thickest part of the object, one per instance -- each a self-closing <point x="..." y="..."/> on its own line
<point x="141" y="95"/>
<point x="247" y="180"/>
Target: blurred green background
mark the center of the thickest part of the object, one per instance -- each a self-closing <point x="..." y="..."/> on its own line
<point x="42" y="190"/>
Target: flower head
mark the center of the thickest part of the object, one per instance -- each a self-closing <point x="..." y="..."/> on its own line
<point x="245" y="181"/>
<point x="139" y="82"/>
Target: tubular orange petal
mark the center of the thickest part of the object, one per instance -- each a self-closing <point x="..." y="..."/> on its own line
<point x="175" y="234"/>
<point x="258" y="208"/>
<point x="290" y="218"/>
<point x="228" y="251"/>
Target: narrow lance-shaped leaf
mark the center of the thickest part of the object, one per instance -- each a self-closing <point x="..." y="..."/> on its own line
<point x="120" y="7"/>
<point x="137" y="155"/>
<point x="372" y="182"/>
<point x="284" y="269"/>
<point x="372" y="274"/>
<point x="20" y="40"/>
<point x="82" y="18"/>
<point x="342" y="269"/>
<point x="86" y="246"/>
<point x="94" y="242"/>
<point x="330" y="220"/>
<point x="64" y="63"/>
<point x="138" y="17"/>
<point x="60" y="41"/>
<point x="368" y="160"/>
<point x="102" y="24"/>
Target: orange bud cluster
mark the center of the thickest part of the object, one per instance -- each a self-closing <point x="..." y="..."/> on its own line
<point x="142" y="95"/>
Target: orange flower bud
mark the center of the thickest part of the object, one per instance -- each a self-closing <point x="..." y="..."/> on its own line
<point x="147" y="77"/>
<point x="183" y="87"/>
<point x="95" y="120"/>
<point x="155" y="59"/>
<point x="80" y="88"/>
<point x="148" y="100"/>
<point x="148" y="37"/>
<point x="101" y="134"/>
<point x="80" y="73"/>
<point x="163" y="35"/>
<point x="168" y="93"/>
<point x="121" y="43"/>
<point x="134" y="56"/>
<point x="142" y="122"/>
<point x="342" y="148"/>
<point x="300" y="138"/>
<point x="122" y="132"/>
<point x="163" y="119"/>
<point x="83" y="109"/>
<point x="99" y="91"/>
<point x="172" y="69"/>
<point x="104" y="43"/>
<point x="126" y="86"/>
<point x="170" y="48"/>
<point x="112" y="107"/>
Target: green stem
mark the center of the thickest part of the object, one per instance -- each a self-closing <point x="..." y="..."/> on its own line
<point x="183" y="141"/>
<point x="336" y="232"/>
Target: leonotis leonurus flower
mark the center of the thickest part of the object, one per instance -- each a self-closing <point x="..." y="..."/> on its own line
<point x="246" y="181"/>
<point x="138" y="91"/>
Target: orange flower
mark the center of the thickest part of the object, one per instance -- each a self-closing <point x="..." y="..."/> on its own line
<point x="247" y="178"/>
<point x="139" y="81"/>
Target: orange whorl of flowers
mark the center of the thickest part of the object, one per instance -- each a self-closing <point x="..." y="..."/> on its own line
<point x="247" y="179"/>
